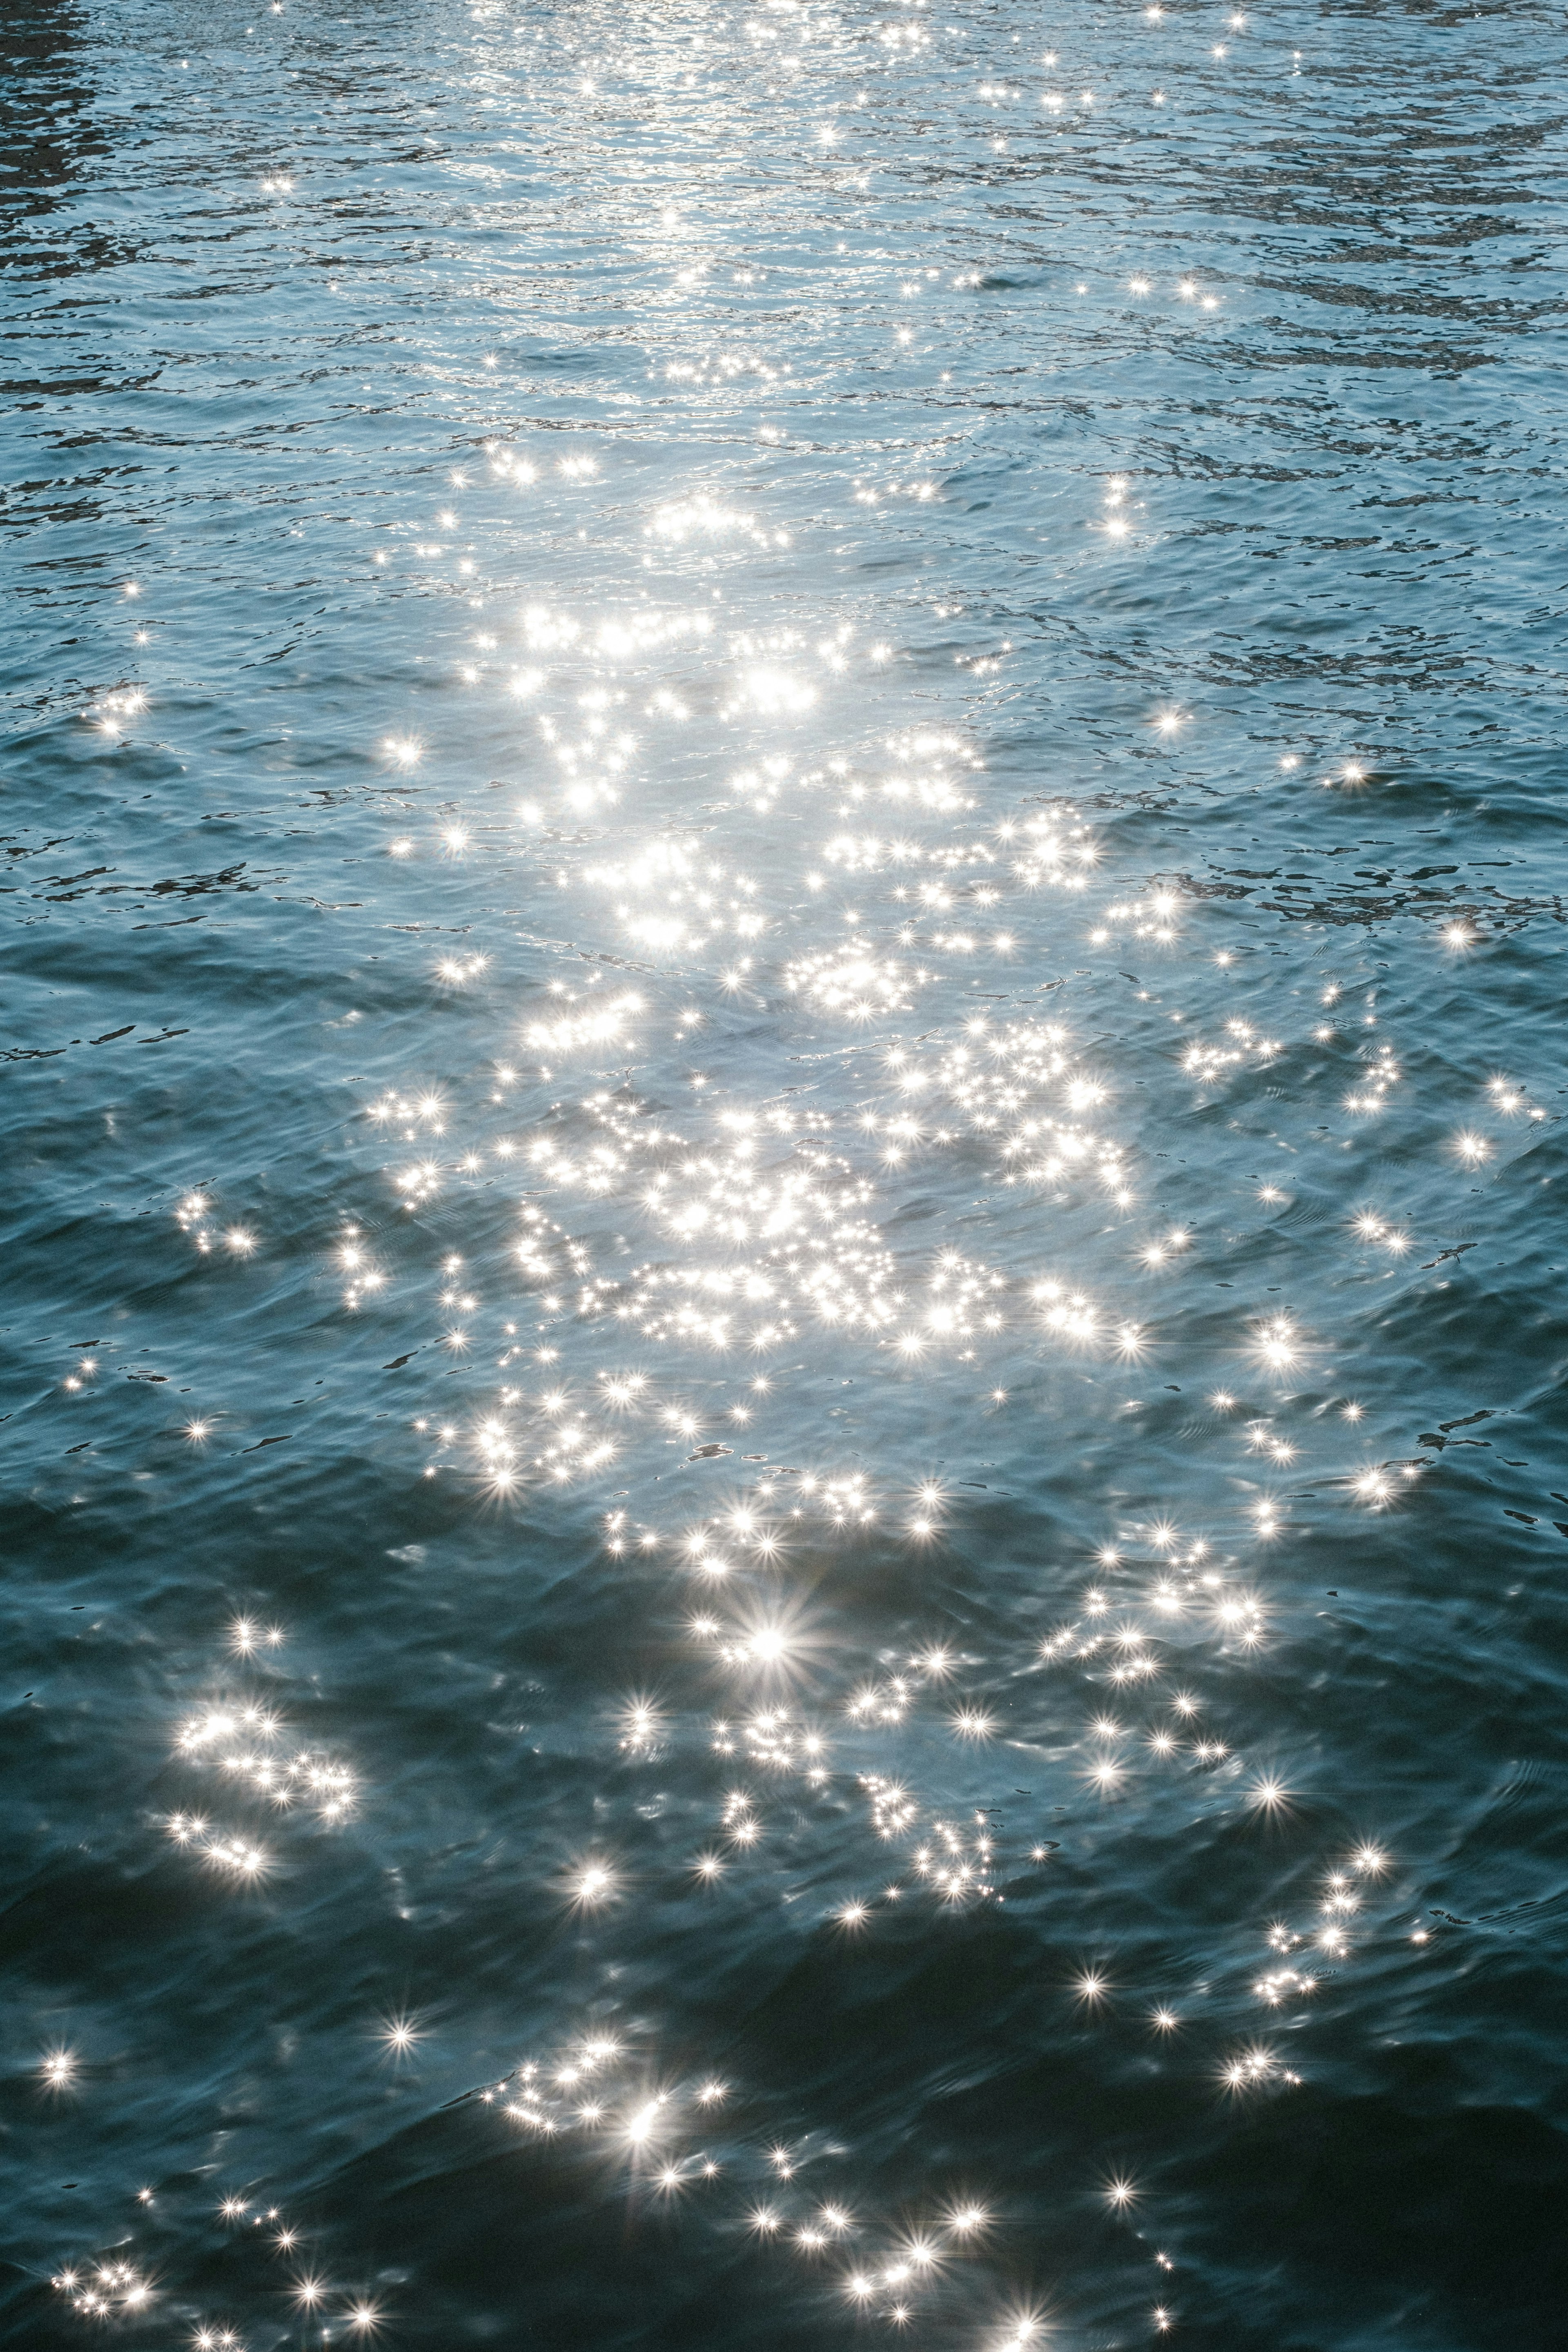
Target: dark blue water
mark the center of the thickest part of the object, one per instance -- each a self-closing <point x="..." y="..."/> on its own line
<point x="784" y="1482"/>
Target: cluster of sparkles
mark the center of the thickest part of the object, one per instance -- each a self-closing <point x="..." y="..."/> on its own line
<point x="1244" y="1048"/>
<point x="117" y="2289"/>
<point x="196" y="1215"/>
<point x="1257" y="2067"/>
<point x="105" y="2290"/>
<point x="1150" y="917"/>
<point x="1017" y="1089"/>
<point x="957" y="1860"/>
<point x="110" y="713"/>
<point x="785" y="1229"/>
<point x="670" y="899"/>
<point x="1342" y="1895"/>
<point x="362" y="1275"/>
<point x="855" y="981"/>
<point x="674" y="2135"/>
<point x="243" y="1742"/>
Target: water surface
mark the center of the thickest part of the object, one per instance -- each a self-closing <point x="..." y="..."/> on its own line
<point x="784" y="983"/>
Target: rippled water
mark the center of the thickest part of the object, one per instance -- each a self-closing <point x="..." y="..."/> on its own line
<point x="785" y="1509"/>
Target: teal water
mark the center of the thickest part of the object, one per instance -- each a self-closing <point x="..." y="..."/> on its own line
<point x="759" y="1584"/>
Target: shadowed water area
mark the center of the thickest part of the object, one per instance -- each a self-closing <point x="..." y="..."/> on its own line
<point x="785" y="1490"/>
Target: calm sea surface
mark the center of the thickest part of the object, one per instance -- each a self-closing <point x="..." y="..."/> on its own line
<point x="784" y="1481"/>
